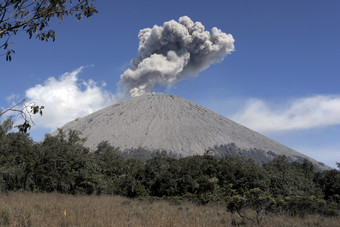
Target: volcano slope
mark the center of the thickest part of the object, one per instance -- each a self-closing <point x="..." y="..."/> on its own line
<point x="166" y="122"/>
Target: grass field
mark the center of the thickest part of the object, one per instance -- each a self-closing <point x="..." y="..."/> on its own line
<point x="30" y="209"/>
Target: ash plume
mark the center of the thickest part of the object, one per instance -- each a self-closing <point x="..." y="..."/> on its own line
<point x="169" y="53"/>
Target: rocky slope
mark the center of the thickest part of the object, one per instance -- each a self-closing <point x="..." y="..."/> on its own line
<point x="171" y="123"/>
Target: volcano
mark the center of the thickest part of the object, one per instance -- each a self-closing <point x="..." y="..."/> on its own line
<point x="176" y="125"/>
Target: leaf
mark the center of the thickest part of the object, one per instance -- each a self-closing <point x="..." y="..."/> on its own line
<point x="34" y="109"/>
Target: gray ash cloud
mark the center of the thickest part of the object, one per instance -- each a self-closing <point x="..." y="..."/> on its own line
<point x="169" y="53"/>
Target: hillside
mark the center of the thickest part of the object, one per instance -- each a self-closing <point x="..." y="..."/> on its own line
<point x="171" y="123"/>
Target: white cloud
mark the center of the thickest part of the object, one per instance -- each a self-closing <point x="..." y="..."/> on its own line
<point x="303" y="113"/>
<point x="66" y="98"/>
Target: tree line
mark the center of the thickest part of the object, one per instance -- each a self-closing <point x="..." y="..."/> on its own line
<point x="62" y="164"/>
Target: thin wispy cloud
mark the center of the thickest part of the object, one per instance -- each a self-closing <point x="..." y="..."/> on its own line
<point x="302" y="113"/>
<point x="13" y="98"/>
<point x="66" y="98"/>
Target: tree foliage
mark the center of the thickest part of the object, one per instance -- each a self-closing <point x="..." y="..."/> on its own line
<point x="62" y="164"/>
<point x="34" y="16"/>
<point x="256" y="200"/>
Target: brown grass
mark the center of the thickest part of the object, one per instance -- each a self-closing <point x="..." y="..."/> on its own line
<point x="30" y="209"/>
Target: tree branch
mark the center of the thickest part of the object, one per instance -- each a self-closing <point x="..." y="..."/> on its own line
<point x="33" y="16"/>
<point x="12" y="108"/>
<point x="26" y="113"/>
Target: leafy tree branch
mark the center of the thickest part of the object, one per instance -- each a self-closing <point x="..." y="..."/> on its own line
<point x="33" y="17"/>
<point x="26" y="112"/>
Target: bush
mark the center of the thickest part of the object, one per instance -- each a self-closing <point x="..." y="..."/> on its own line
<point x="304" y="205"/>
<point x="255" y="200"/>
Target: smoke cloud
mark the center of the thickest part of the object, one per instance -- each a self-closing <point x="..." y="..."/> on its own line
<point x="169" y="53"/>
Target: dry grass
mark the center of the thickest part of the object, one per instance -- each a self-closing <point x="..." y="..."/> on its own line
<point x="30" y="209"/>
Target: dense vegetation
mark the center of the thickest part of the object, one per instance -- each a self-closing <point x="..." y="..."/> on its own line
<point x="62" y="164"/>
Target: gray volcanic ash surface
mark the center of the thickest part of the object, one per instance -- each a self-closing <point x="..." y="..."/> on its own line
<point x="174" y="124"/>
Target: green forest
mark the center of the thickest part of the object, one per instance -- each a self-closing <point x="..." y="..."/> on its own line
<point x="62" y="164"/>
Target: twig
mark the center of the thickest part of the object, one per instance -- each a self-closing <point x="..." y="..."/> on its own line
<point x="12" y="108"/>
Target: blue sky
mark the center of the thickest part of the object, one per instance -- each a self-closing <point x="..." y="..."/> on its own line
<point x="283" y="79"/>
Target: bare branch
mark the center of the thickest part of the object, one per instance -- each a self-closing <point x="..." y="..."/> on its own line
<point x="26" y="113"/>
<point x="12" y="108"/>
